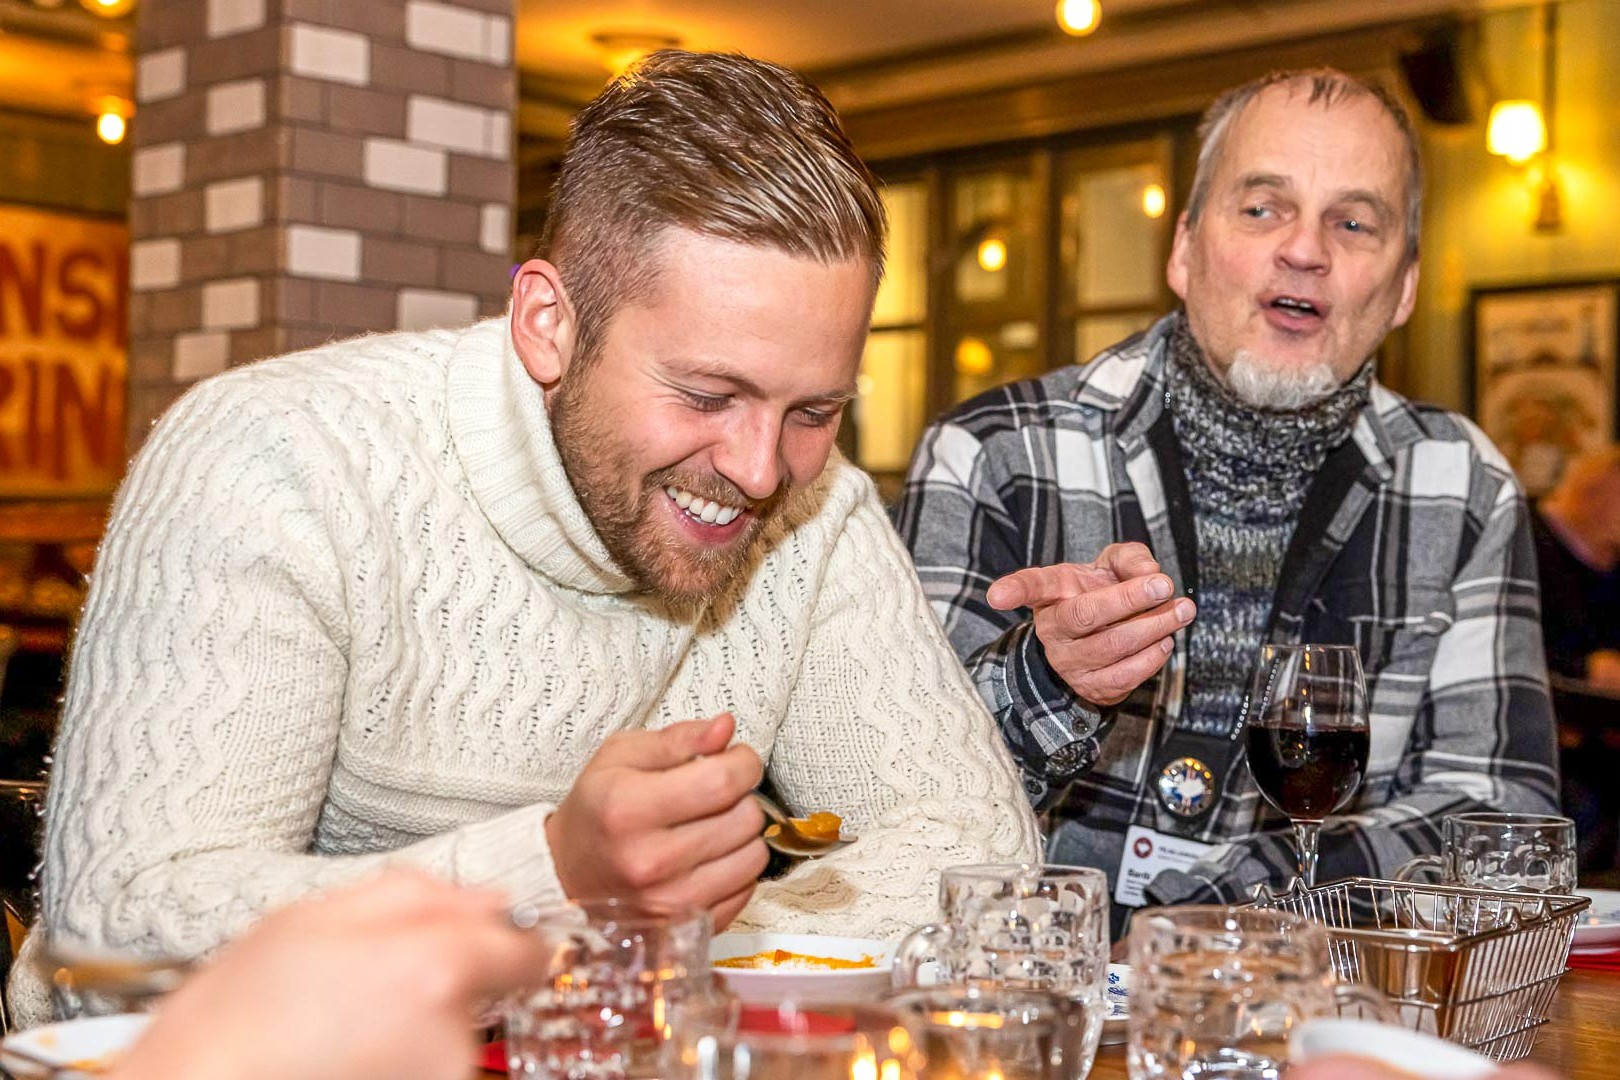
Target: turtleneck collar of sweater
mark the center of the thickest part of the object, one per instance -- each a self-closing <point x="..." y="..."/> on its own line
<point x="502" y="436"/>
<point x="1248" y="448"/>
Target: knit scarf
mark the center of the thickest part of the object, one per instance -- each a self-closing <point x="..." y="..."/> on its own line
<point x="1248" y="471"/>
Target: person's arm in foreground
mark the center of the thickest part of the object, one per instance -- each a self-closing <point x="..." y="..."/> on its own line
<point x="207" y="701"/>
<point x="885" y="729"/>
<point x="1483" y="739"/>
<point x="376" y="980"/>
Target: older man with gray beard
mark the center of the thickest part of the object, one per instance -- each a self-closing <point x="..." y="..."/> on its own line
<point x="1110" y="545"/>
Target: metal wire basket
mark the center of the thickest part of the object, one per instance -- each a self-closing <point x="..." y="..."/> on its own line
<point x="1473" y="966"/>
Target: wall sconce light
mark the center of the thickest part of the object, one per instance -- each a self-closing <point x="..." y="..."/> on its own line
<point x="1516" y="131"/>
<point x="1153" y="201"/>
<point x="111" y="120"/>
<point x="1079" y="17"/>
<point x="1519" y="130"/>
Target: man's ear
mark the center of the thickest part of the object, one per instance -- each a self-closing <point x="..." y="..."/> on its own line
<point x="543" y="323"/>
<point x="1409" y="284"/>
<point x="1175" y="271"/>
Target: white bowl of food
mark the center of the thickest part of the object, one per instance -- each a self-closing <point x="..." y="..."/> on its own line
<point x="1414" y="1053"/>
<point x="72" y="1049"/>
<point x="811" y="969"/>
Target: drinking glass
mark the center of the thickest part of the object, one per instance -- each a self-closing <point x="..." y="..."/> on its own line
<point x="1019" y="926"/>
<point x="1533" y="853"/>
<point x="975" y="1031"/>
<point x="598" y="1010"/>
<point x="1307" y="736"/>
<point x="1216" y="991"/>
<point x="717" y="1037"/>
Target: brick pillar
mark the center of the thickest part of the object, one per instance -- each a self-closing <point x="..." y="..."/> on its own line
<point x="306" y="170"/>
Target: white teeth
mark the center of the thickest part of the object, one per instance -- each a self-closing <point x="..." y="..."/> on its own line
<point x="703" y="510"/>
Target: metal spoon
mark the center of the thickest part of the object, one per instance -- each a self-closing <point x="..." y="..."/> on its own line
<point x="790" y="841"/>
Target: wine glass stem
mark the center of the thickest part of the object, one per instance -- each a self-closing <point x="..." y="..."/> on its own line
<point x="1305" y="839"/>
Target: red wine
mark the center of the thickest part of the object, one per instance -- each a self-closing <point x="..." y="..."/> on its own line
<point x="1307" y="774"/>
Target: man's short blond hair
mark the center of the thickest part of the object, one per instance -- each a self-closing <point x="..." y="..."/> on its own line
<point x="1327" y="87"/>
<point x="714" y="143"/>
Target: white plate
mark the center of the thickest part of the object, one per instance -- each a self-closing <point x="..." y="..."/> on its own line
<point x="99" y="1039"/>
<point x="1600" y="923"/>
<point x="770" y="986"/>
<point x="1413" y="1053"/>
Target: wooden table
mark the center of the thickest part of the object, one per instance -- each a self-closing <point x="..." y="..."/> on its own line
<point x="1580" y="1042"/>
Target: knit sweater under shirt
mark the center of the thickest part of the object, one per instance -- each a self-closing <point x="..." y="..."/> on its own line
<point x="348" y="612"/>
<point x="1248" y="471"/>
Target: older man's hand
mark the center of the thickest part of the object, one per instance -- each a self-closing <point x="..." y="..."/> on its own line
<point x="1105" y="625"/>
<point x="664" y="817"/>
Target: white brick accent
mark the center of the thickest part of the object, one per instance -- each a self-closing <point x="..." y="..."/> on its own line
<point x="454" y="31"/>
<point x="333" y="254"/>
<point x="399" y="166"/>
<point x="230" y="305"/>
<point x="160" y="75"/>
<point x="201" y="354"/>
<point x="235" y="106"/>
<point x="449" y="124"/>
<point x="500" y="135"/>
<point x="421" y="309"/>
<point x="334" y="55"/>
<point x="234" y="16"/>
<point x="229" y="205"/>
<point x="154" y="264"/>
<point x="498" y="39"/>
<point x="495" y="228"/>
<point x="157" y="170"/>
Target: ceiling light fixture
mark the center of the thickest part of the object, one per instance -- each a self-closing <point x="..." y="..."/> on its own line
<point x="1079" y="17"/>
<point x="108" y="9"/>
<point x="622" y="50"/>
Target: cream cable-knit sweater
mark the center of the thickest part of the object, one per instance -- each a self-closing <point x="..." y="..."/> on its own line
<point x="348" y="613"/>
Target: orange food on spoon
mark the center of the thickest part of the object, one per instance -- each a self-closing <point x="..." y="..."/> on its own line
<point x="822" y="825"/>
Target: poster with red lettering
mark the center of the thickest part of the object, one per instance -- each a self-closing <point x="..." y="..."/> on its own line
<point x="64" y="290"/>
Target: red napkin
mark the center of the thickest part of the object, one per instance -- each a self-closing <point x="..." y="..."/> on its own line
<point x="1596" y="960"/>
<point x="494" y="1056"/>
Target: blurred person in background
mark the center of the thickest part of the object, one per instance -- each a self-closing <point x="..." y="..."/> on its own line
<point x="1577" y="529"/>
<point x="1109" y="545"/>
<point x="453" y="598"/>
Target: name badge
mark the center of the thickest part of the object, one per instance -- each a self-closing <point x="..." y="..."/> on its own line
<point x="1146" y="853"/>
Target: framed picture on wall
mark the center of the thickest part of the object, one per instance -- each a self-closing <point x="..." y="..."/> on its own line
<point x="1544" y="372"/>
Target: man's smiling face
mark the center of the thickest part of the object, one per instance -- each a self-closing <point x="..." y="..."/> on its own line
<point x="709" y="401"/>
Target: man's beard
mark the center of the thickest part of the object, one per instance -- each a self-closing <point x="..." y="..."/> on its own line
<point x="1278" y="388"/>
<point x="624" y="512"/>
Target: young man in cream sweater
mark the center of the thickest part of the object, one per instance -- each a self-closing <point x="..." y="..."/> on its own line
<point x="534" y="604"/>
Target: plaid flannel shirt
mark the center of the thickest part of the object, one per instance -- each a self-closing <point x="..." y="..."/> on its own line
<point x="1413" y="545"/>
